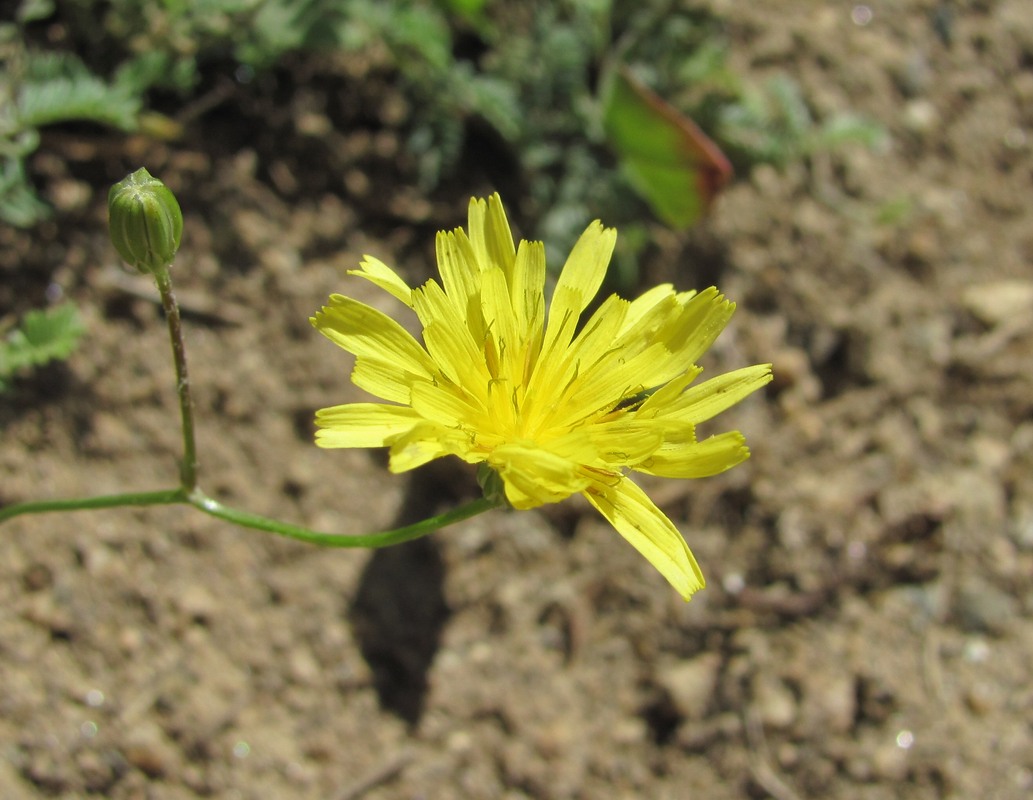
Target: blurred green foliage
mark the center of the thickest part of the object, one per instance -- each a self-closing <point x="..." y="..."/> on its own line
<point x="669" y="161"/>
<point x="774" y="125"/>
<point x="522" y="76"/>
<point x="44" y="335"/>
<point x="39" y="88"/>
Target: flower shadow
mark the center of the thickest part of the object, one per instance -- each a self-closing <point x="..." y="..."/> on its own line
<point x="399" y="610"/>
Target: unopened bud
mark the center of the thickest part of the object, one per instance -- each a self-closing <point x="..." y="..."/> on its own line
<point x="144" y="221"/>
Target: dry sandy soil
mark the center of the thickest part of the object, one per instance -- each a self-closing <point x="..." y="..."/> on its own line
<point x="868" y="627"/>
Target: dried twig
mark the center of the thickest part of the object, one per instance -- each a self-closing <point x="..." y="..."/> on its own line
<point x="931" y="671"/>
<point x="381" y="775"/>
<point x="760" y="761"/>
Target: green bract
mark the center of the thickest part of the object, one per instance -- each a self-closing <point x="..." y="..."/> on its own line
<point x="144" y="221"/>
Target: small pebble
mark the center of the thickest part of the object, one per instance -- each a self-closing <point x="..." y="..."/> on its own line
<point x="983" y="608"/>
<point x="920" y="116"/>
<point x="775" y="702"/>
<point x="149" y="750"/>
<point x="998" y="302"/>
<point x="830" y="702"/>
<point x="196" y="602"/>
<point x="980" y="699"/>
<point x="691" y="684"/>
<point x="890" y="762"/>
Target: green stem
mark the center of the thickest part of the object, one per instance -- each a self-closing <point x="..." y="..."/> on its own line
<point x="189" y="494"/>
<point x="188" y="467"/>
<point x="200" y="500"/>
<point x="382" y="539"/>
<point x="158" y="498"/>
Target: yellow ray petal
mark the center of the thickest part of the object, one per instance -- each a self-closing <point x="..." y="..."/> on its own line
<point x="502" y="346"/>
<point x="379" y="273"/>
<point x="609" y="383"/>
<point x="448" y="339"/>
<point x="708" y="399"/>
<point x="363" y="424"/>
<point x="581" y="277"/>
<point x="611" y="445"/>
<point x="645" y="304"/>
<point x="490" y="234"/>
<point x="703" y="317"/>
<point x="534" y="476"/>
<point x="527" y="288"/>
<point x="697" y="459"/>
<point x="448" y="405"/>
<point x="650" y="532"/>
<point x="364" y="331"/>
<point x="625" y="441"/>
<point x="561" y="368"/>
<point x="596" y="338"/>
<point x="460" y="273"/>
<point x="384" y="379"/>
<point x="422" y="443"/>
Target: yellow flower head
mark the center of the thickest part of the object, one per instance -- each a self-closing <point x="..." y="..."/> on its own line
<point x="554" y="408"/>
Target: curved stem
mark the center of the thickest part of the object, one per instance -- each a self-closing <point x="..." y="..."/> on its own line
<point x="189" y="494"/>
<point x="382" y="539"/>
<point x="200" y="500"/>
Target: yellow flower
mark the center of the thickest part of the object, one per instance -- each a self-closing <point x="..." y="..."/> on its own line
<point x="554" y="408"/>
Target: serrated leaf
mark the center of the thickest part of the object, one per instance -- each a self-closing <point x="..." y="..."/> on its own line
<point x="45" y="335"/>
<point x="494" y="99"/>
<point x="57" y="87"/>
<point x="19" y="205"/>
<point x="676" y="168"/>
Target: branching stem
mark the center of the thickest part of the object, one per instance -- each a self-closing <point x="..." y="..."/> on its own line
<point x="246" y="519"/>
<point x="189" y="493"/>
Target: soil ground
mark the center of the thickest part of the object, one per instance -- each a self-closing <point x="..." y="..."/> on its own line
<point x="867" y="631"/>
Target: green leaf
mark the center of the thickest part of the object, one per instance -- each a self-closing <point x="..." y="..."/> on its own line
<point x="57" y="87"/>
<point x="849" y="129"/>
<point x="666" y="157"/>
<point x="19" y="205"/>
<point x="775" y="126"/>
<point x="493" y="98"/>
<point x="466" y="8"/>
<point x="45" y="335"/>
<point x="34" y="11"/>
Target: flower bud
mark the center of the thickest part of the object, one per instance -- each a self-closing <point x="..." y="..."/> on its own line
<point x="145" y="222"/>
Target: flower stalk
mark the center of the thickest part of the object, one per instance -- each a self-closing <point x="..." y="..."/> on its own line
<point x="188" y="465"/>
<point x="145" y="225"/>
<point x="245" y="519"/>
